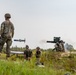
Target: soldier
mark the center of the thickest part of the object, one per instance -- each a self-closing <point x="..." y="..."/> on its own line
<point x="62" y="46"/>
<point x="7" y="33"/>
<point x="57" y="47"/>
<point x="38" y="54"/>
<point x="27" y="53"/>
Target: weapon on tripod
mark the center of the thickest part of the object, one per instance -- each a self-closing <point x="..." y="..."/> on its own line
<point x="55" y="40"/>
<point x="59" y="44"/>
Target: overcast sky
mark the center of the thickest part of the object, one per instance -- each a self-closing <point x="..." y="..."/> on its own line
<point x="38" y="20"/>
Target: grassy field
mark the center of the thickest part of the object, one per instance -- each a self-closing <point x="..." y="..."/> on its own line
<point x="54" y="65"/>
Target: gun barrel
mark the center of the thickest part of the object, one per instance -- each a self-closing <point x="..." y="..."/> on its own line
<point x="54" y="41"/>
<point x="19" y="40"/>
<point x="50" y="41"/>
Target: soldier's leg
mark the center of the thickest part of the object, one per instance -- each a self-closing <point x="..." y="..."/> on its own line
<point x="1" y="47"/>
<point x="37" y="61"/>
<point x="2" y="42"/>
<point x="8" y="44"/>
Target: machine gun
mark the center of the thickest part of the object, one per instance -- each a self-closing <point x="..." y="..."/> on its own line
<point x="59" y="44"/>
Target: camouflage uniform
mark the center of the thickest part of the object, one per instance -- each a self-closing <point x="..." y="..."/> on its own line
<point x="7" y="32"/>
<point x="27" y="53"/>
<point x="62" y="46"/>
<point x="38" y="55"/>
<point x="59" y="47"/>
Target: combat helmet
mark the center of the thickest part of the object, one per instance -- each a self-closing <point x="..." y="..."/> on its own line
<point x="7" y="15"/>
<point x="27" y="46"/>
<point x="37" y="48"/>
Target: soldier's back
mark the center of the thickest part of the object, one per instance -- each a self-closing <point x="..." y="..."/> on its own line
<point x="7" y="28"/>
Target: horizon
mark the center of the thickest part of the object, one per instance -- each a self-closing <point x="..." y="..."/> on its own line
<point x="39" y="20"/>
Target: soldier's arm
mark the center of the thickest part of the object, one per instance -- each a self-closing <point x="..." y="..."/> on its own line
<point x="12" y="30"/>
<point x="2" y="28"/>
<point x="40" y="53"/>
<point x="25" y="54"/>
<point x="31" y="53"/>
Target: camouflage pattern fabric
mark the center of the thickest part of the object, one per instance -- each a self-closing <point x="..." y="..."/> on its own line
<point x="28" y="53"/>
<point x="38" y="54"/>
<point x="7" y="32"/>
<point x="59" y="47"/>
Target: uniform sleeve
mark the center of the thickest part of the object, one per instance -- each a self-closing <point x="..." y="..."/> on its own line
<point x="31" y="53"/>
<point x="2" y="28"/>
<point x="25" y="52"/>
<point x="12" y="30"/>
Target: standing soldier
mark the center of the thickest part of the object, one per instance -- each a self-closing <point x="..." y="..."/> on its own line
<point x="27" y="53"/>
<point x="7" y="33"/>
<point x="38" y="55"/>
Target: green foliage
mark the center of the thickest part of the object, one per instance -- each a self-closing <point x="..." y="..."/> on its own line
<point x="25" y="68"/>
<point x="54" y="64"/>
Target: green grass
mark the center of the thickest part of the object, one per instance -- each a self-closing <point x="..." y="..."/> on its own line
<point x="53" y="65"/>
<point x="25" y="68"/>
